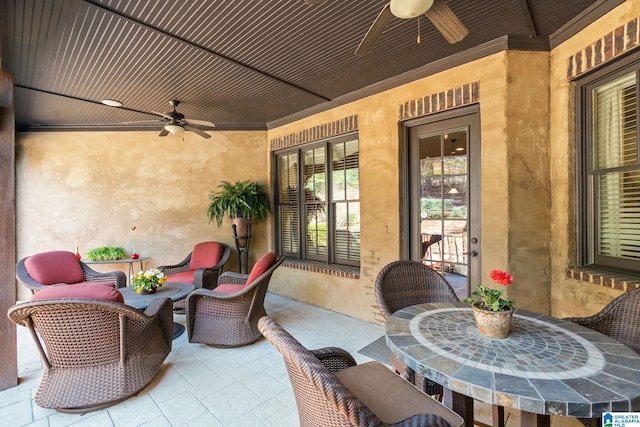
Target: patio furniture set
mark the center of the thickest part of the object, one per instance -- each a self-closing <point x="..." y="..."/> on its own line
<point x="101" y="342"/>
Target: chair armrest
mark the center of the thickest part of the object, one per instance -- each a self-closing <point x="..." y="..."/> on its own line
<point x="163" y="308"/>
<point x="334" y="358"/>
<point x="91" y="275"/>
<point x="176" y="268"/>
<point x="232" y="278"/>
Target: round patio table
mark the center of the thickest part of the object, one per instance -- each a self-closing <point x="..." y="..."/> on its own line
<point x="547" y="366"/>
<point x="175" y="291"/>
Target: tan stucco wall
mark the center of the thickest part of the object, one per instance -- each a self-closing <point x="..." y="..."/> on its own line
<point x="570" y="297"/>
<point x="513" y="144"/>
<point x="91" y="187"/>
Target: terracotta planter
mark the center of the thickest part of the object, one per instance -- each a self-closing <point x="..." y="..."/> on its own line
<point x="493" y="324"/>
<point x="242" y="230"/>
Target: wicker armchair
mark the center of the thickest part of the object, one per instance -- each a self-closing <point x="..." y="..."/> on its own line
<point x="332" y="390"/>
<point x="404" y="283"/>
<point x="227" y="316"/>
<point x="620" y="320"/>
<point x="201" y="267"/>
<point x="95" y="353"/>
<point x="61" y="267"/>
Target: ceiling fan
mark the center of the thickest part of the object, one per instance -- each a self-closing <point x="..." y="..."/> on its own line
<point x="437" y="11"/>
<point x="176" y="122"/>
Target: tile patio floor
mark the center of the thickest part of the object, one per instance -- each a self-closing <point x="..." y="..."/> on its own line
<point x="200" y="385"/>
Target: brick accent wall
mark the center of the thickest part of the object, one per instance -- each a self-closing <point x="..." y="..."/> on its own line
<point x="610" y="46"/>
<point x="457" y="97"/>
<point x="325" y="130"/>
<point x="599" y="278"/>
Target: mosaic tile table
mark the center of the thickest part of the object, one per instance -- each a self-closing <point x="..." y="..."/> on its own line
<point x="546" y="366"/>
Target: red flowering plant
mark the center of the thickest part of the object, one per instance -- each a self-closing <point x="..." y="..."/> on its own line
<point x="491" y="299"/>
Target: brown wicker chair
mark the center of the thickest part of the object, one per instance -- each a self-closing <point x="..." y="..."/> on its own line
<point x="77" y="272"/>
<point x="404" y="283"/>
<point x="620" y="320"/>
<point x="95" y="353"/>
<point x="332" y="390"/>
<point x="204" y="275"/>
<point x="227" y="316"/>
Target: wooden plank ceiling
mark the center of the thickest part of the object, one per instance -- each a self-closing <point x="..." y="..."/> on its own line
<point x="239" y="64"/>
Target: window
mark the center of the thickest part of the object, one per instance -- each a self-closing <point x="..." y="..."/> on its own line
<point x="318" y="202"/>
<point x="609" y="170"/>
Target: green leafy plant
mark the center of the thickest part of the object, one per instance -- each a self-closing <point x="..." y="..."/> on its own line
<point x="491" y="299"/>
<point x="246" y="199"/>
<point x="147" y="280"/>
<point x="107" y="253"/>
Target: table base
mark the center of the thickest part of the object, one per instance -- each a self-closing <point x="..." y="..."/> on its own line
<point x="178" y="329"/>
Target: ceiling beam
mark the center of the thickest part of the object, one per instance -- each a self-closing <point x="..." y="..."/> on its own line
<point x="528" y="19"/>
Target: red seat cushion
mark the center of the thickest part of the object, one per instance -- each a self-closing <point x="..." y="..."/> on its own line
<point x="52" y="267"/>
<point x="263" y="264"/>
<point x="88" y="290"/>
<point x="205" y="255"/>
<point x="183" y="276"/>
<point x="228" y="288"/>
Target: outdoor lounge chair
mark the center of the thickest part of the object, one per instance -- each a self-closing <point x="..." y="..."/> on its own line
<point x="95" y="353"/>
<point x="332" y="390"/>
<point x="405" y="283"/>
<point x="201" y="267"/>
<point x="227" y="316"/>
<point x="53" y="268"/>
<point x="620" y="320"/>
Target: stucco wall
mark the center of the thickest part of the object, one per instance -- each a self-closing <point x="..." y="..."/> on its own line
<point x="92" y="187"/>
<point x="514" y="143"/>
<point x="570" y="297"/>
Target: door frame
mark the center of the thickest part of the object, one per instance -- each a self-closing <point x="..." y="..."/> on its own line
<point x="466" y="116"/>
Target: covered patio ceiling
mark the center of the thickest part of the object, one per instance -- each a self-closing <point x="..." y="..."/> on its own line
<point x="241" y="64"/>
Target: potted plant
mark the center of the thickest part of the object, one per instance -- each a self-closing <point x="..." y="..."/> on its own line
<point x="243" y="202"/>
<point x="493" y="312"/>
<point x="146" y="282"/>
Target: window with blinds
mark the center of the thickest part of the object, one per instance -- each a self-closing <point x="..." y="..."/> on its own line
<point x="611" y="202"/>
<point x="318" y="202"/>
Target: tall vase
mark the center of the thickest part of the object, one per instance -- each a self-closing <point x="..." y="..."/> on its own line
<point x="242" y="230"/>
<point x="493" y="324"/>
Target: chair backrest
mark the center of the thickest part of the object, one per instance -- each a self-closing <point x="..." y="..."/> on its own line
<point x="52" y="267"/>
<point x="265" y="262"/>
<point x="404" y="283"/>
<point x="205" y="255"/>
<point x="620" y="320"/>
<point x="321" y="398"/>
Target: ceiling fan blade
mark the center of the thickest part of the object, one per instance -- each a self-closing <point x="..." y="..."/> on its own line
<point x="198" y="131"/>
<point x="162" y="115"/>
<point x="163" y="132"/>
<point x="375" y="30"/>
<point x="312" y="2"/>
<point x="200" y="123"/>
<point x="446" y="22"/>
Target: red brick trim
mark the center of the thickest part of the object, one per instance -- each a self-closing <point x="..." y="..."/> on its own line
<point x="452" y="98"/>
<point x="608" y="280"/>
<point x="619" y="41"/>
<point x="325" y="130"/>
<point x="332" y="270"/>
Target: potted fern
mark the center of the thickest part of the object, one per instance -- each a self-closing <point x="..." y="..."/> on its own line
<point x="243" y="202"/>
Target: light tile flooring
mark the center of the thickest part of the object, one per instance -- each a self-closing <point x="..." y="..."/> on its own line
<point x="200" y="385"/>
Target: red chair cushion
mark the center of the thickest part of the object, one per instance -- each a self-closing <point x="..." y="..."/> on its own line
<point x="228" y="288"/>
<point x="89" y="290"/>
<point x="205" y="255"/>
<point x="183" y="276"/>
<point x="263" y="264"/>
<point x="48" y="268"/>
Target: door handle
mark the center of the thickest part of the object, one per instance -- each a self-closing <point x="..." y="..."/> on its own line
<point x="472" y="253"/>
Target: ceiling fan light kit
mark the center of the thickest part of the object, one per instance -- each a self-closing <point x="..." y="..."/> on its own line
<point x="111" y="102"/>
<point x="407" y="9"/>
<point x="173" y="128"/>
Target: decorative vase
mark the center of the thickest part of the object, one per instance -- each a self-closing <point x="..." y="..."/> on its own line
<point x="242" y="230"/>
<point x="493" y="324"/>
<point x="150" y="291"/>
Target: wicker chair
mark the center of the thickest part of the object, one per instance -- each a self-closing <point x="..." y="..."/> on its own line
<point x="201" y="267"/>
<point x="227" y="316"/>
<point x="620" y="320"/>
<point x="332" y="390"/>
<point x="95" y="353"/>
<point x="61" y="267"/>
<point x="404" y="283"/>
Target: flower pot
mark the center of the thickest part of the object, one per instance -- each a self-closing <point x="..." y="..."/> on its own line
<point x="150" y="291"/>
<point x="242" y="230"/>
<point x="493" y="324"/>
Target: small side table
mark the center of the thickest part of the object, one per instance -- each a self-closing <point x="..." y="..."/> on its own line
<point x="128" y="261"/>
<point x="175" y="291"/>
